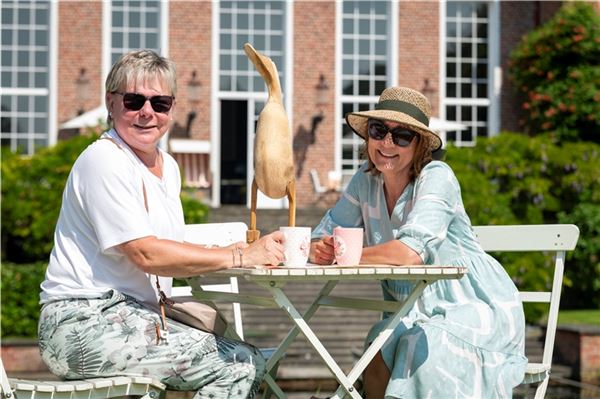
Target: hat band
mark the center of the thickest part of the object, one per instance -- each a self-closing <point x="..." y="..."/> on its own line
<point x="404" y="107"/>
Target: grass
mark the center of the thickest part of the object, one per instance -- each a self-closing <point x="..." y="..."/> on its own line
<point x="586" y="316"/>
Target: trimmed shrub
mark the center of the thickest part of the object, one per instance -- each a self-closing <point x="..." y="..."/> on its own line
<point x="20" y="297"/>
<point x="516" y="179"/>
<point x="583" y="267"/>
<point x="31" y="198"/>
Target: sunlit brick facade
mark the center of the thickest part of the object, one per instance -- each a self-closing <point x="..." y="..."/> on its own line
<point x="356" y="47"/>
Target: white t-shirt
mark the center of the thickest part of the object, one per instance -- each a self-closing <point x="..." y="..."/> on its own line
<point x="102" y="207"/>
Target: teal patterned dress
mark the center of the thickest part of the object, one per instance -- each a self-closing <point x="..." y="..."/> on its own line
<point x="462" y="338"/>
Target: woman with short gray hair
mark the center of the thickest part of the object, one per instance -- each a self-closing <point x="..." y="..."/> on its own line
<point x="119" y="233"/>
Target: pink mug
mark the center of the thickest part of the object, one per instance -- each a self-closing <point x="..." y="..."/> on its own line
<point x="348" y="245"/>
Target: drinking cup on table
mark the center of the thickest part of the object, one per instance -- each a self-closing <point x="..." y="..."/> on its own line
<point x="296" y="245"/>
<point x="348" y="245"/>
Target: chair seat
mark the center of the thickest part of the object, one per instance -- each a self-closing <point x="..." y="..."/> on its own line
<point x="96" y="387"/>
<point x="536" y="372"/>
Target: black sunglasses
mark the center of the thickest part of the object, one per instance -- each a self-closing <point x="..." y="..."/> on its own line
<point x="402" y="137"/>
<point x="135" y="102"/>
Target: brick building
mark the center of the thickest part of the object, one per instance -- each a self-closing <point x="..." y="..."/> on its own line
<point x="333" y="57"/>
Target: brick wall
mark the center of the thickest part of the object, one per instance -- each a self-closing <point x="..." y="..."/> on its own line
<point x="516" y="20"/>
<point x="314" y="53"/>
<point x="418" y="52"/>
<point x="190" y="49"/>
<point x="20" y="356"/>
<point x="590" y="359"/>
<point x="579" y="347"/>
<point x="79" y="46"/>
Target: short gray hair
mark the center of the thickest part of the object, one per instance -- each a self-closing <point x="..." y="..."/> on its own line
<point x="139" y="65"/>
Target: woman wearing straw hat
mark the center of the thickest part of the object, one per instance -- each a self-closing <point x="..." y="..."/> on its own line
<point x="463" y="338"/>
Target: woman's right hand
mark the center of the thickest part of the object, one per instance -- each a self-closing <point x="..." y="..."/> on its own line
<point x="322" y="251"/>
<point x="268" y="250"/>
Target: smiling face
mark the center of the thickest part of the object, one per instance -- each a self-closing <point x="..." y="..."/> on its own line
<point x="141" y="129"/>
<point x="390" y="159"/>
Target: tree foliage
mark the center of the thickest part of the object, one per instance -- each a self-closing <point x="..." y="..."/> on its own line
<point x="557" y="68"/>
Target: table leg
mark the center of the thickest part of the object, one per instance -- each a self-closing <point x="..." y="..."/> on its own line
<point x="302" y="325"/>
<point x="287" y="341"/>
<point x="272" y="385"/>
<point x="377" y="344"/>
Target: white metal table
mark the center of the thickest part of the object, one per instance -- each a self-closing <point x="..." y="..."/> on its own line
<point x="273" y="279"/>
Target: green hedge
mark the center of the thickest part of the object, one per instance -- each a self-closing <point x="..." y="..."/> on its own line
<point x="31" y="198"/>
<point x="507" y="179"/>
<point x="516" y="179"/>
<point x="20" y="296"/>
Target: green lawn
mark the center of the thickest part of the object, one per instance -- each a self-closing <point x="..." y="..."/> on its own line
<point x="588" y="316"/>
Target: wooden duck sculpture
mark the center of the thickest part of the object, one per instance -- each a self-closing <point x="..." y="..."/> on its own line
<point x="273" y="156"/>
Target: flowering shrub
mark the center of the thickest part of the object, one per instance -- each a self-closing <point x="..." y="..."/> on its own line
<point x="557" y="68"/>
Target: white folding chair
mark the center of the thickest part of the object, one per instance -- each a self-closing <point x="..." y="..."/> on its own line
<point x="553" y="238"/>
<point x="93" y="388"/>
<point x="221" y="234"/>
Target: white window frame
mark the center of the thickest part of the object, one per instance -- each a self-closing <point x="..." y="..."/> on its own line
<point x="255" y="96"/>
<point x="494" y="74"/>
<point x="107" y="36"/>
<point x="392" y="80"/>
<point x="51" y="132"/>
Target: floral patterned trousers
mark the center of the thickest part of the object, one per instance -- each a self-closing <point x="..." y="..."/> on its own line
<point x="116" y="335"/>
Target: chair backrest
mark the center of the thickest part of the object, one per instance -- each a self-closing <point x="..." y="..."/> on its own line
<point x="557" y="238"/>
<point x="221" y="234"/>
<point x="314" y="176"/>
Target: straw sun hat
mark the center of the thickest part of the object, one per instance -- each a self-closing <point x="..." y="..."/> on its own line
<point x="398" y="104"/>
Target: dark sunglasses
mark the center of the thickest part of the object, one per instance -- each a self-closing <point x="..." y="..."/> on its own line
<point x="402" y="137"/>
<point x="135" y="102"/>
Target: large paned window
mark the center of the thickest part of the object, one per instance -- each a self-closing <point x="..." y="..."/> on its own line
<point x="260" y="23"/>
<point x="25" y="70"/>
<point x="135" y="25"/>
<point x="467" y="70"/>
<point x="365" y="69"/>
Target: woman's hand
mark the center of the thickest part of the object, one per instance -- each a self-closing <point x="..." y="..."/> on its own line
<point x="321" y="252"/>
<point x="268" y="250"/>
